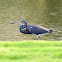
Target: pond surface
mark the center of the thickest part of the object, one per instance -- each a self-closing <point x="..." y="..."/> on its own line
<point x="47" y="13"/>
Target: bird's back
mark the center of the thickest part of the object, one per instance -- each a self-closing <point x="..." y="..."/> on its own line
<point x="35" y="29"/>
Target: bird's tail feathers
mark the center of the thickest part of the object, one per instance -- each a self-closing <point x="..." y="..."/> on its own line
<point x="50" y="31"/>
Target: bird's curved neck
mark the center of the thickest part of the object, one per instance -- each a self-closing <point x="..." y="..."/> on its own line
<point x="22" y="26"/>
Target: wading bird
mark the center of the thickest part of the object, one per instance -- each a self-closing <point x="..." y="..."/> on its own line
<point x="32" y="29"/>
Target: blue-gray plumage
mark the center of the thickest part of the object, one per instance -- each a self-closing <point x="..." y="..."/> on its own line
<point x="32" y="29"/>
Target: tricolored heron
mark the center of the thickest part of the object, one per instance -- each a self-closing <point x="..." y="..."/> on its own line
<point x="32" y="29"/>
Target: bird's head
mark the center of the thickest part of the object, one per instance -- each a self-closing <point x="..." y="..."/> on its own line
<point x="23" y="21"/>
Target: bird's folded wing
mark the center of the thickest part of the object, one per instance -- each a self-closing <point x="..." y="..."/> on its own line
<point x="37" y="29"/>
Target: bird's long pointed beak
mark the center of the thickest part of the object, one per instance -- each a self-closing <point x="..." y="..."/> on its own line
<point x="16" y="22"/>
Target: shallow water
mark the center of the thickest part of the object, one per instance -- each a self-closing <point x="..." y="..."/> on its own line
<point x="47" y="13"/>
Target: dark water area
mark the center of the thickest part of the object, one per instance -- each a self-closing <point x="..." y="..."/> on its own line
<point x="47" y="13"/>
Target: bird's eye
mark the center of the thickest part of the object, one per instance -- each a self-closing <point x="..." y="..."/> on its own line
<point x="20" y="21"/>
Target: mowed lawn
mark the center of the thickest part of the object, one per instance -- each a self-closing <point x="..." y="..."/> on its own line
<point x="31" y="51"/>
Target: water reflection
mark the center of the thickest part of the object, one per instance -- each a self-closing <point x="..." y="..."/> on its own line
<point x="47" y="13"/>
<point x="55" y="16"/>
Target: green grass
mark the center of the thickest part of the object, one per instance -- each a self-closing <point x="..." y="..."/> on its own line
<point x="31" y="51"/>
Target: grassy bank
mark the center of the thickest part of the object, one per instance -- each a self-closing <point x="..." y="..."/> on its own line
<point x="31" y="51"/>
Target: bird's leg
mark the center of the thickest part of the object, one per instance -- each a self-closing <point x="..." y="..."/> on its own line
<point x="39" y="37"/>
